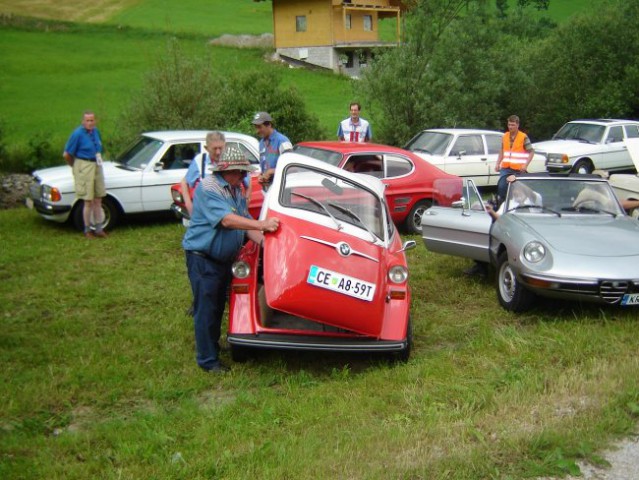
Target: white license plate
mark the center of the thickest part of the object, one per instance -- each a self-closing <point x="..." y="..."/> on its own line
<point x="630" y="299"/>
<point x="340" y="283"/>
<point x="29" y="203"/>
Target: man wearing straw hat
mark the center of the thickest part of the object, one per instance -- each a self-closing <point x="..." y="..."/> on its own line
<point x="219" y="223"/>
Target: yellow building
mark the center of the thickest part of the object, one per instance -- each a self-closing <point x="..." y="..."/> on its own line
<point x="334" y="34"/>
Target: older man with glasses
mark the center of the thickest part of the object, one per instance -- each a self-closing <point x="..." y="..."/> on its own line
<point x="219" y="224"/>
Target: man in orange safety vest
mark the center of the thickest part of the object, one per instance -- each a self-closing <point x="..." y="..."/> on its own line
<point x="515" y="155"/>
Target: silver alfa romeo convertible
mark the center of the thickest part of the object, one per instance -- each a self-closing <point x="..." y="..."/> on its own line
<point x="563" y="236"/>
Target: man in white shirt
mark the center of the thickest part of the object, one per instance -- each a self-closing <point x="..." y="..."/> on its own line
<point x="354" y="128"/>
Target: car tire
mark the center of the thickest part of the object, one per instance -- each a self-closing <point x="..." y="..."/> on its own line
<point x="404" y="355"/>
<point x="583" y="167"/>
<point x="109" y="209"/>
<point x="239" y="354"/>
<point x="414" y="219"/>
<point x="511" y="294"/>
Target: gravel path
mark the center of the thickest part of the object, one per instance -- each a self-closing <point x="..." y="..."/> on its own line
<point x="624" y="463"/>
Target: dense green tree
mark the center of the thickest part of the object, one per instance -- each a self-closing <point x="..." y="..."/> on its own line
<point x="587" y="67"/>
<point x="461" y="65"/>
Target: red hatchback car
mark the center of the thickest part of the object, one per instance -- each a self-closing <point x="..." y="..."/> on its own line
<point x="333" y="277"/>
<point x="412" y="185"/>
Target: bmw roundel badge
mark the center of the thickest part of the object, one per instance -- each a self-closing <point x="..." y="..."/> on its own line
<point x="344" y="249"/>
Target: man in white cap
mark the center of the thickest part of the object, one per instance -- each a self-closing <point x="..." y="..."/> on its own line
<point x="219" y="223"/>
<point x="272" y="145"/>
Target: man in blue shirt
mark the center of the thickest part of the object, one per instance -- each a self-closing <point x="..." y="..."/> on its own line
<point x="219" y="223"/>
<point x="83" y="152"/>
<point x="272" y="145"/>
<point x="199" y="166"/>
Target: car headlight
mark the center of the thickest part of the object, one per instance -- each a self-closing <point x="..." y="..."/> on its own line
<point x="398" y="274"/>
<point x="51" y="194"/>
<point x="241" y="269"/>
<point x="177" y="196"/>
<point x="558" y="158"/>
<point x="534" y="252"/>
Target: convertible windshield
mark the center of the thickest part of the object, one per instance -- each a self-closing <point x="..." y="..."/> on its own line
<point x="585" y="132"/>
<point x="332" y="196"/>
<point x="434" y="143"/>
<point x="562" y="195"/>
<point x="140" y="153"/>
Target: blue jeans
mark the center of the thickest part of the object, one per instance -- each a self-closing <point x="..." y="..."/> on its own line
<point x="502" y="184"/>
<point x="209" y="281"/>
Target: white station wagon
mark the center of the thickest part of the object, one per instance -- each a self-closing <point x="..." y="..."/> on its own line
<point x="582" y="146"/>
<point x="467" y="153"/>
<point x="138" y="181"/>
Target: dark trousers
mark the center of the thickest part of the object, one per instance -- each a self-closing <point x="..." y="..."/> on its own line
<point x="209" y="281"/>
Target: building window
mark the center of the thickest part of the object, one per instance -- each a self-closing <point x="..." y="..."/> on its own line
<point x="300" y="23"/>
<point x="347" y="22"/>
<point x="368" y="23"/>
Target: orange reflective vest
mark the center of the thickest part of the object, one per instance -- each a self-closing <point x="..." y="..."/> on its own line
<point x="515" y="154"/>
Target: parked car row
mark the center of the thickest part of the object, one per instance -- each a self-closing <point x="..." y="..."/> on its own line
<point x="420" y="189"/>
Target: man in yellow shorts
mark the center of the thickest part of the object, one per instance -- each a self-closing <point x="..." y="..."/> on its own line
<point x="83" y="152"/>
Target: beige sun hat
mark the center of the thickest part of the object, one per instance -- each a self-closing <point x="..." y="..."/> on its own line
<point x="233" y="159"/>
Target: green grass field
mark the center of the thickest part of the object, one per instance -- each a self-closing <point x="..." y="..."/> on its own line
<point x="100" y="379"/>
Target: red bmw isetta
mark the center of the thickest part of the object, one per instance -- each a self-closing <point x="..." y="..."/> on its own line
<point x="333" y="277"/>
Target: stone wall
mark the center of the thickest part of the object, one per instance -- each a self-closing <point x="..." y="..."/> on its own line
<point x="14" y="188"/>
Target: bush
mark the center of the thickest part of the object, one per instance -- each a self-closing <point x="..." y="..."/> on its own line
<point x="184" y="92"/>
<point x="39" y="152"/>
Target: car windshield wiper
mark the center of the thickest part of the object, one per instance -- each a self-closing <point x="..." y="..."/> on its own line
<point x="352" y="214"/>
<point x="321" y="205"/>
<point x="588" y="210"/>
<point x="543" y="209"/>
<point x="585" y="140"/>
<point x="425" y="150"/>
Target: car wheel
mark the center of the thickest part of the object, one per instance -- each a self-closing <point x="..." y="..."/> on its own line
<point x="404" y="355"/>
<point x="512" y="295"/>
<point x="414" y="219"/>
<point x="239" y="354"/>
<point x="110" y="211"/>
<point x="583" y="167"/>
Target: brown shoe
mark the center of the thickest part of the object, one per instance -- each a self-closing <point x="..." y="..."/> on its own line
<point x="89" y="235"/>
<point x="101" y="234"/>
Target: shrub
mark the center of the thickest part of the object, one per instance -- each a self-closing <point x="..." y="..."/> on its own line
<point x="184" y="92"/>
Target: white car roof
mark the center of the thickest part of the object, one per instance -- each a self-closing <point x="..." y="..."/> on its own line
<point x="195" y="135"/>
<point x="458" y="131"/>
<point x="604" y="121"/>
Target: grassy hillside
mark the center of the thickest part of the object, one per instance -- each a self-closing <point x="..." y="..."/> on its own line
<point x="53" y="71"/>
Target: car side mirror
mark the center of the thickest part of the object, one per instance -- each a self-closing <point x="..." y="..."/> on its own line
<point x="158" y="167"/>
<point x="458" y="203"/>
<point x="408" y="245"/>
<point x="461" y="153"/>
